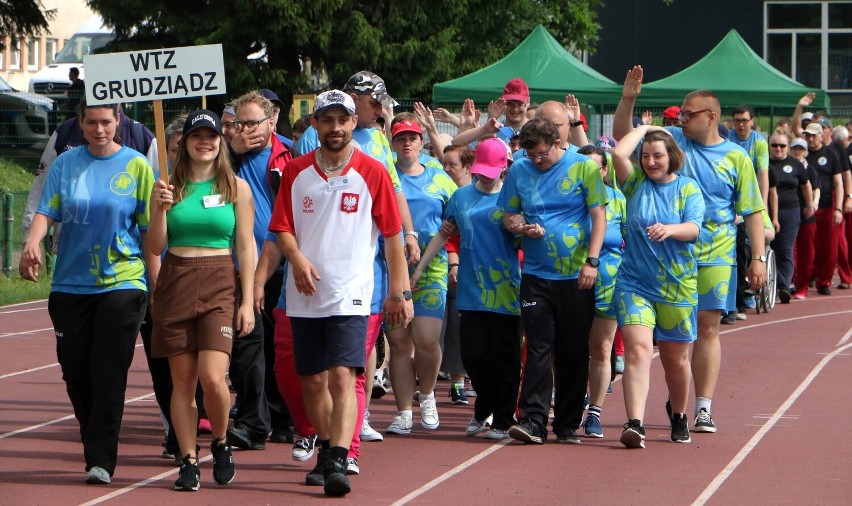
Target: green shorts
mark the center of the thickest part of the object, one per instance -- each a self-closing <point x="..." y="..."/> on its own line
<point x="713" y="286"/>
<point x="669" y="323"/>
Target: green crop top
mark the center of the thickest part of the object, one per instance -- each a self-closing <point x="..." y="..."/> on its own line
<point x="192" y="224"/>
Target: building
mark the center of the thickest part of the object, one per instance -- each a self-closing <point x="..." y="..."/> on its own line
<point x="809" y="40"/>
<point x="22" y="57"/>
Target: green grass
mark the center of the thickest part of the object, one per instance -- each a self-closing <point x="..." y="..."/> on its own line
<point x="16" y="290"/>
<point x="13" y="289"/>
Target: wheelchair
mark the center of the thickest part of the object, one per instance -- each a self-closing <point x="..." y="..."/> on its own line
<point x="765" y="296"/>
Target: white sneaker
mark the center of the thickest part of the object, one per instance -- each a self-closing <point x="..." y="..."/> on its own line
<point x="475" y="426"/>
<point x="352" y="466"/>
<point x="401" y="424"/>
<point x="367" y="432"/>
<point x="303" y="447"/>
<point x="496" y="434"/>
<point x="428" y="413"/>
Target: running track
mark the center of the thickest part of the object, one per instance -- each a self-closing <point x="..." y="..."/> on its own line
<point x="782" y="405"/>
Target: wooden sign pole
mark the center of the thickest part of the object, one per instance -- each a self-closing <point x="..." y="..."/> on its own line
<point x="162" y="148"/>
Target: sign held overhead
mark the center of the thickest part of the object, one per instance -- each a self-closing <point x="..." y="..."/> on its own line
<point x="157" y="74"/>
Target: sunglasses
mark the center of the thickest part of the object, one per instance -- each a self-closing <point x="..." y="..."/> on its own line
<point x="778" y="145"/>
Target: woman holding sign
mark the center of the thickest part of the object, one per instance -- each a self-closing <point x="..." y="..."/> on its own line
<point x="194" y="304"/>
<point x="99" y="192"/>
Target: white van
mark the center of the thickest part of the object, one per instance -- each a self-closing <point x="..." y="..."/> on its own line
<point x="53" y="79"/>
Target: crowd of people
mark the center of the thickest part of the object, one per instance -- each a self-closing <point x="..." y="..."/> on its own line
<point x="370" y="248"/>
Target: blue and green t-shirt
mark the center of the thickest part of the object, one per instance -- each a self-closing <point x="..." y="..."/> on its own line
<point x="660" y="271"/>
<point x="611" y="250"/>
<point x="559" y="200"/>
<point x="102" y="203"/>
<point x="726" y="177"/>
<point x="428" y="194"/>
<point x="489" y="271"/>
<point x="756" y="147"/>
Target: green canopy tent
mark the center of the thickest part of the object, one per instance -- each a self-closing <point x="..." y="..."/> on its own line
<point x="737" y="75"/>
<point x="549" y="70"/>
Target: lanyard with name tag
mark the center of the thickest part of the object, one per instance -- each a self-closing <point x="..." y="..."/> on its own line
<point x="213" y="201"/>
<point x="338" y="183"/>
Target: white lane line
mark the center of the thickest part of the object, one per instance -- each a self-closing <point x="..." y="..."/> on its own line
<point x="58" y="420"/>
<point x="24" y="310"/>
<point x="452" y="472"/>
<point x="24" y="303"/>
<point x="773" y="322"/>
<point x="34" y="369"/>
<point x="23" y="333"/>
<point x="138" y="484"/>
<point x="747" y="449"/>
<point x="845" y="338"/>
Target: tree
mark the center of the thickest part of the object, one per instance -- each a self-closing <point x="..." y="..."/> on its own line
<point x="22" y="17"/>
<point x="290" y="46"/>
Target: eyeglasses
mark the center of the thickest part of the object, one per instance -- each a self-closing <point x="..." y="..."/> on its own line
<point x="683" y="116"/>
<point x="741" y="121"/>
<point x="778" y="145"/>
<point x="250" y="123"/>
<point x="538" y="156"/>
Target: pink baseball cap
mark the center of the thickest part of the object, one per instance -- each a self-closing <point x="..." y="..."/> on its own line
<point x="516" y="89"/>
<point x="491" y="158"/>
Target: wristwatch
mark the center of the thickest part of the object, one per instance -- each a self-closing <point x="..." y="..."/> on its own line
<point x="406" y="295"/>
<point x="411" y="232"/>
<point x="593" y="261"/>
<point x="762" y="258"/>
<point x="577" y="123"/>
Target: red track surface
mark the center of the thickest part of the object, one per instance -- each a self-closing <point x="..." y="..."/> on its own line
<point x="782" y="405"/>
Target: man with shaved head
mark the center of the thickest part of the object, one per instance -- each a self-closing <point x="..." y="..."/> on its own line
<point x="725" y="174"/>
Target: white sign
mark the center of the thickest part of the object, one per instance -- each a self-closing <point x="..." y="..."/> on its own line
<point x="158" y="74"/>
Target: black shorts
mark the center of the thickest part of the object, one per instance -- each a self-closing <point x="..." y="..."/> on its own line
<point x="320" y="343"/>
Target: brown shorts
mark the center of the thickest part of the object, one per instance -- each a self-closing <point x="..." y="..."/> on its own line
<point x="194" y="305"/>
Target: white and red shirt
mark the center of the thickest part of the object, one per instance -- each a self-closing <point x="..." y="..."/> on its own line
<point x="336" y="222"/>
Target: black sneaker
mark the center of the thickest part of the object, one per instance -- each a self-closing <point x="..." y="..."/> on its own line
<point x="729" y="318"/>
<point x="527" y="432"/>
<point x="336" y="482"/>
<point x="704" y="422"/>
<point x="242" y="438"/>
<point x="457" y="395"/>
<point x="316" y="478"/>
<point x="784" y="296"/>
<point x="223" y="462"/>
<point x="567" y="436"/>
<point x="189" y="477"/>
<point x="824" y="290"/>
<point x="283" y="435"/>
<point x="633" y="435"/>
<point x="669" y="408"/>
<point x="680" y="428"/>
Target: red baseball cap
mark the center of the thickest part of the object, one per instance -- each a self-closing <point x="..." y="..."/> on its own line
<point x="406" y="126"/>
<point x="516" y="89"/>
<point x="671" y="112"/>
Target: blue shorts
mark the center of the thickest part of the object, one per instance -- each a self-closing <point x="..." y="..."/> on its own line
<point x="430" y="302"/>
<point x="669" y="323"/>
<point x="713" y="286"/>
<point x="320" y="343"/>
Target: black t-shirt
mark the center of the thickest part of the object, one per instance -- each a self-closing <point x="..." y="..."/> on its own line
<point x="826" y="164"/>
<point x="790" y="175"/>
<point x="840" y="151"/>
